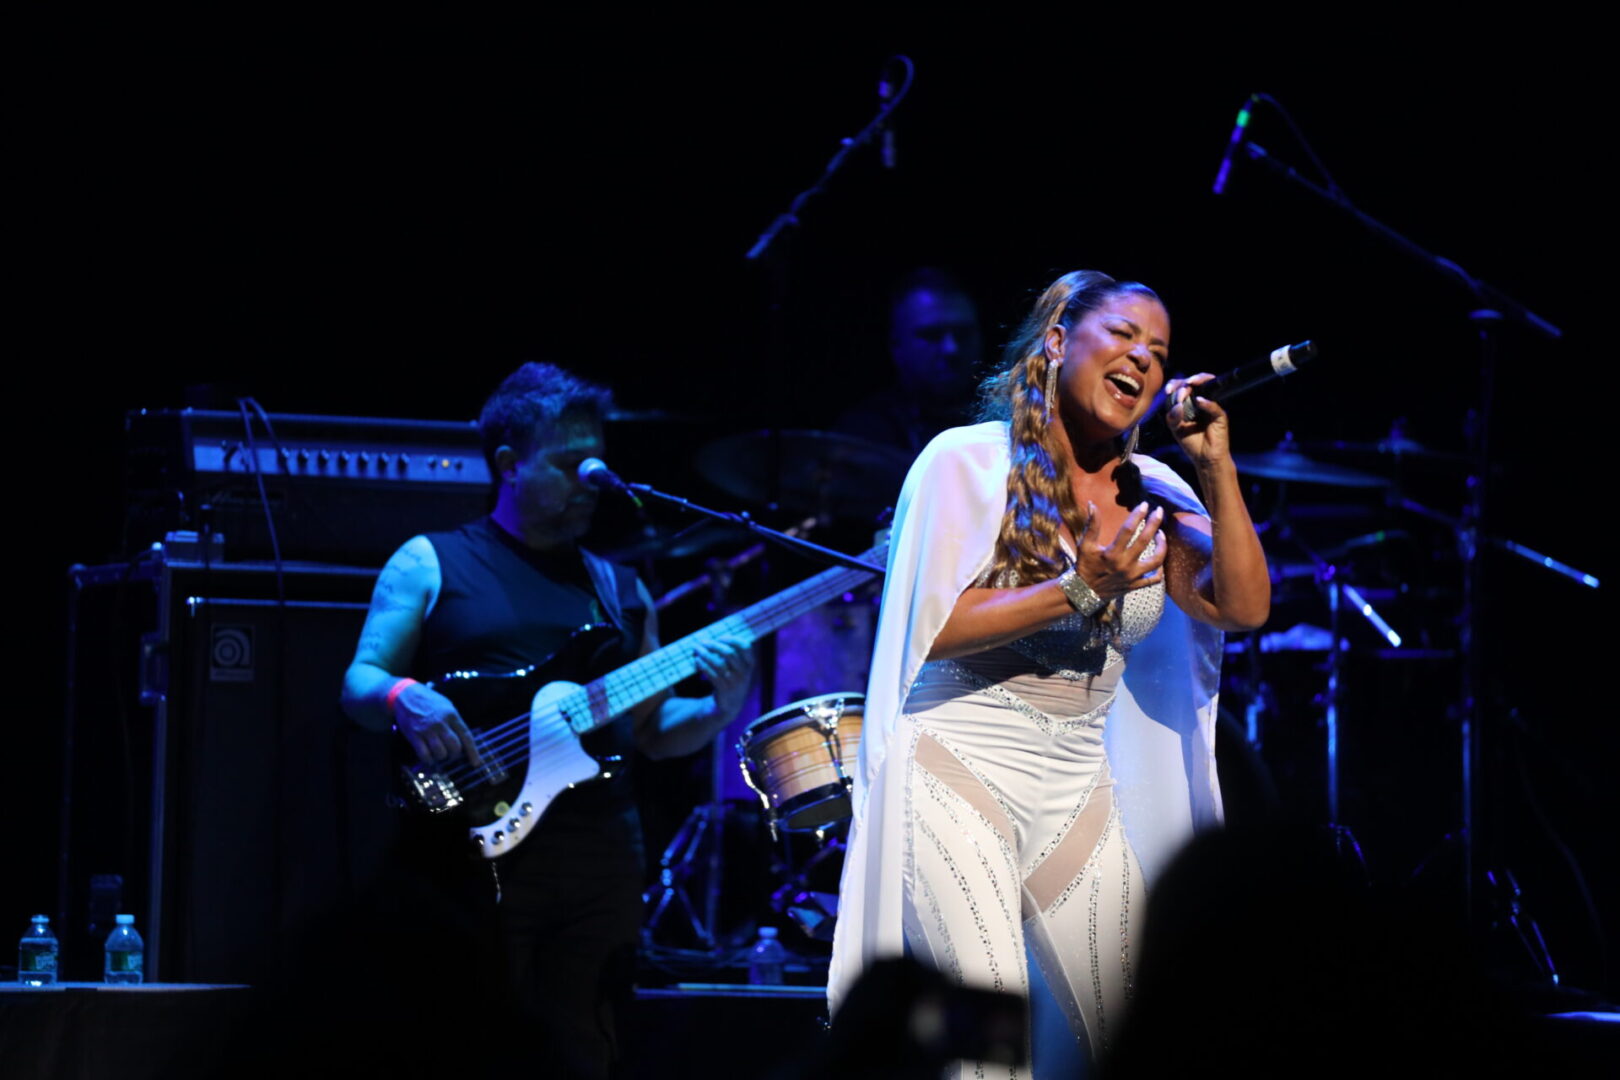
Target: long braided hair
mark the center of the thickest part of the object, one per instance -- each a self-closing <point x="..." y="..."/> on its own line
<point x="1039" y="498"/>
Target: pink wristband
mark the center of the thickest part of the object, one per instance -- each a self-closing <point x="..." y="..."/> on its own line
<point x="395" y="690"/>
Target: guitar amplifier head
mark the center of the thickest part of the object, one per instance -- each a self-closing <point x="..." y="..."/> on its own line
<point x="344" y="489"/>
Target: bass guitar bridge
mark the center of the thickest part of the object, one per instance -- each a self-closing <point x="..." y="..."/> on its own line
<point x="433" y="789"/>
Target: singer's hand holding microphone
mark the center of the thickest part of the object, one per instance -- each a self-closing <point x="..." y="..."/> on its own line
<point x="1196" y="418"/>
<point x="1199" y="426"/>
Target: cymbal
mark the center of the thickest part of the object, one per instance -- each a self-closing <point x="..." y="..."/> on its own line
<point x="691" y="538"/>
<point x="1396" y="446"/>
<point x="1314" y="639"/>
<point x="653" y="416"/>
<point x="821" y="472"/>
<point x="1288" y="463"/>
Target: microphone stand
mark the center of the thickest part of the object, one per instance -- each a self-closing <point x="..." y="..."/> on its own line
<point x="1496" y="307"/>
<point x="776" y="267"/>
<point x="781" y="539"/>
<point x="777" y="286"/>
<point x="1483" y="291"/>
<point x="704" y="827"/>
<point x="846" y="146"/>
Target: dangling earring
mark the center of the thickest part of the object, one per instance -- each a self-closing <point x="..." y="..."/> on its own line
<point x="1052" y="367"/>
<point x="1131" y="439"/>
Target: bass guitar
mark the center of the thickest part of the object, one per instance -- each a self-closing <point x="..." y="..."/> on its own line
<point x="530" y="759"/>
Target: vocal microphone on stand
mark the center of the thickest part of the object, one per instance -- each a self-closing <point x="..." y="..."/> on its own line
<point x="595" y="473"/>
<point x="1234" y="141"/>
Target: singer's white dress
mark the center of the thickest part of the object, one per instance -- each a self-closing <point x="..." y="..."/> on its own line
<point x="1020" y="799"/>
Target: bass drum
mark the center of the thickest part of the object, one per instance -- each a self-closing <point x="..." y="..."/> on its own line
<point x="800" y="760"/>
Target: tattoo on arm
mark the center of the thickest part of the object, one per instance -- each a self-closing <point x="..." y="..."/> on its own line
<point x="398" y="606"/>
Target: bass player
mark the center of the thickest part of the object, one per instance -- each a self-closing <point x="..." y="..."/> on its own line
<point x="554" y="922"/>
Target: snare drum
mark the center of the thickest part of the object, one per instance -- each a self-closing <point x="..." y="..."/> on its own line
<point x="800" y="759"/>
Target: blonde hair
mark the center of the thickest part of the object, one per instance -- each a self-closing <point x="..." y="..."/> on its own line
<point x="1039" y="498"/>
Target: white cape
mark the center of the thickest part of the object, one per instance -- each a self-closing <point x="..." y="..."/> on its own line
<point x="1160" y="734"/>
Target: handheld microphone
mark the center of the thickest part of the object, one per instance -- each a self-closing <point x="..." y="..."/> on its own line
<point x="1283" y="361"/>
<point x="595" y="472"/>
<point x="1234" y="142"/>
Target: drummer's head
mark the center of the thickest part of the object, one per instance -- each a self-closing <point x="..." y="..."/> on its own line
<point x="537" y="427"/>
<point x="933" y="335"/>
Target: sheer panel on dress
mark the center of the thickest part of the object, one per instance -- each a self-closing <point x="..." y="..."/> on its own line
<point x="939" y="761"/>
<point x="1068" y="860"/>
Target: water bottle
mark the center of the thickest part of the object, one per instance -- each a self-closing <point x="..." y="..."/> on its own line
<point x="125" y="952"/>
<point x="768" y="958"/>
<point x="36" y="954"/>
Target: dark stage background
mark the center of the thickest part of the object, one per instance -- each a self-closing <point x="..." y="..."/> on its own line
<point x="374" y="222"/>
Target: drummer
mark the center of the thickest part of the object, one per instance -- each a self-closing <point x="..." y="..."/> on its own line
<point x="935" y="347"/>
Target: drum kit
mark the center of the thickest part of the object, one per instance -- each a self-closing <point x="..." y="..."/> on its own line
<point x="798" y="759"/>
<point x="1339" y="566"/>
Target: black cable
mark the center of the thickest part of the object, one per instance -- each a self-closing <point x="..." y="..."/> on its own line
<point x="120" y="689"/>
<point x="279" y="707"/>
<point x="1519" y="730"/>
<point x="264" y="499"/>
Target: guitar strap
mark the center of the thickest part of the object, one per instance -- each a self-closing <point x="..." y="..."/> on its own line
<point x="605" y="577"/>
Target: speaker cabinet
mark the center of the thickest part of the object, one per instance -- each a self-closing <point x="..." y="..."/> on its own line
<point x="261" y="806"/>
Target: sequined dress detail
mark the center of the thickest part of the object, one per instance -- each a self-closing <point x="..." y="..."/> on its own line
<point x="1015" y="838"/>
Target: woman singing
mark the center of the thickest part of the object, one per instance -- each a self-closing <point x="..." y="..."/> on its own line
<point x="1039" y="721"/>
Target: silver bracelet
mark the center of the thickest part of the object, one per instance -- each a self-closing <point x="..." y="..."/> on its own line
<point x="1082" y="597"/>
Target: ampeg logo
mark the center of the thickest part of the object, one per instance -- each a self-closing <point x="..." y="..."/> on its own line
<point x="230" y="654"/>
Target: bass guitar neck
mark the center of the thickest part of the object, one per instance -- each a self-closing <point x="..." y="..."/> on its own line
<point x="530" y="759"/>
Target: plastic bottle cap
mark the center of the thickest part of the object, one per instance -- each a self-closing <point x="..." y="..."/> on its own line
<point x="767" y="931"/>
<point x="124" y="920"/>
<point x="40" y="919"/>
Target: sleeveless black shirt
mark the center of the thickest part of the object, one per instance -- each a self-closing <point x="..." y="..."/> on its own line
<point x="503" y="606"/>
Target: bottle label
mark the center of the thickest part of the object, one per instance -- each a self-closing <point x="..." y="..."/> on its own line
<point x="38" y="958"/>
<point x="123" y="963"/>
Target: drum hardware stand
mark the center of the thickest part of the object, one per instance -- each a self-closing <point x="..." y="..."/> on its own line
<point x="717" y="579"/>
<point x="1338" y="593"/>
<point x="1493" y="306"/>
<point x="677" y="861"/>
<point x="1469" y="537"/>
<point x="712" y="814"/>
<point x="1509" y="898"/>
<point x="1344" y="841"/>
<point x="816" y="913"/>
<point x="775" y="738"/>
<point x="706" y="823"/>
<point x="675" y="870"/>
